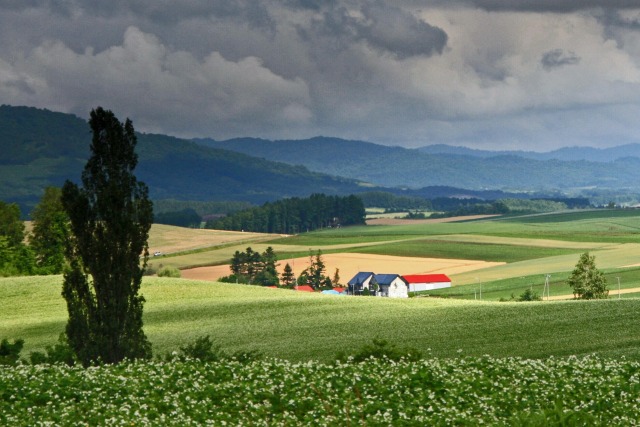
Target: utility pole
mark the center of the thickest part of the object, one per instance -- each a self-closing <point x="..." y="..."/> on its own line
<point x="618" y="277"/>
<point x="546" y="286"/>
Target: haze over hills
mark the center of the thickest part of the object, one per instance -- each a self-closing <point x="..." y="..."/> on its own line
<point x="450" y="166"/>
<point x="570" y="154"/>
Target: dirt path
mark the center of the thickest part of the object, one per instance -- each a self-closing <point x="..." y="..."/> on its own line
<point x="613" y="293"/>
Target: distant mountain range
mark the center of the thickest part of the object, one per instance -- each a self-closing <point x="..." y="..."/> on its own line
<point x="451" y="166"/>
<point x="569" y="154"/>
<point x="40" y="148"/>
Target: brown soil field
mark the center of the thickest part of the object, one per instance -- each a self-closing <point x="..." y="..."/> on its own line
<point x="351" y="263"/>
<point x="169" y="239"/>
<point x="398" y="221"/>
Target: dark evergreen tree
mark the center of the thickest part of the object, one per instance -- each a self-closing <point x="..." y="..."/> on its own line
<point x="50" y="231"/>
<point x="288" y="279"/>
<point x="251" y="267"/>
<point x="110" y="217"/>
<point x="335" y="282"/>
<point x="315" y="272"/>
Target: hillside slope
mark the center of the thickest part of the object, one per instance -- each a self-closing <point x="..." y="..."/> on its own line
<point x="40" y="148"/>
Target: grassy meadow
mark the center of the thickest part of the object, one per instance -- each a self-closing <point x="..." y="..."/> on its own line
<point x="300" y="326"/>
<point x="563" y="362"/>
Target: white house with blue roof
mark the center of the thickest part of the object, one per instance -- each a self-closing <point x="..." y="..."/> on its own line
<point x="392" y="286"/>
<point x="360" y="282"/>
<point x="382" y="285"/>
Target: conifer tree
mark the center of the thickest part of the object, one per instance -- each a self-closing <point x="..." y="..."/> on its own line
<point x="288" y="278"/>
<point x="110" y="217"/>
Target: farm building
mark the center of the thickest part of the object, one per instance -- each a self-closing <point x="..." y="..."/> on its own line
<point x="427" y="282"/>
<point x="360" y="282"/>
<point x="392" y="286"/>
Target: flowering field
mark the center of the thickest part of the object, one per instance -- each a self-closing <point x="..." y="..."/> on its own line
<point x="458" y="391"/>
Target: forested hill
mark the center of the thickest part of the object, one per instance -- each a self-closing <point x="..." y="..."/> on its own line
<point x="396" y="166"/>
<point x="40" y="148"/>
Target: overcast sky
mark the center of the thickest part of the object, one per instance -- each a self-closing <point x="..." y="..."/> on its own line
<point x="491" y="74"/>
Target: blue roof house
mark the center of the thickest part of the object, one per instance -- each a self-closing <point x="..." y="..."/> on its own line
<point x="360" y="282"/>
<point x="392" y="286"/>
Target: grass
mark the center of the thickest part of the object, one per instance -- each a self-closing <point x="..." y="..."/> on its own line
<point x="432" y="248"/>
<point x="505" y="288"/>
<point x="301" y="326"/>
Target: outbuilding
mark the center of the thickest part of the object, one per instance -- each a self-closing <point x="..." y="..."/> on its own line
<point x="427" y="282"/>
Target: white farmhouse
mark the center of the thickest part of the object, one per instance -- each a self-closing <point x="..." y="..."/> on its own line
<point x="392" y="286"/>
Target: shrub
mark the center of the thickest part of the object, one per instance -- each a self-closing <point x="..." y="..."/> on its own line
<point x="382" y="349"/>
<point x="10" y="353"/>
<point x="529" y="295"/>
<point x="169" y="271"/>
<point x="58" y="353"/>
<point x="204" y="349"/>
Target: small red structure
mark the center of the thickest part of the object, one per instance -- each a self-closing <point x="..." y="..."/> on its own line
<point x="304" y="288"/>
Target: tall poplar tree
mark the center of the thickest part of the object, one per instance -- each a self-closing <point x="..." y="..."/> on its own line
<point x="110" y="217"/>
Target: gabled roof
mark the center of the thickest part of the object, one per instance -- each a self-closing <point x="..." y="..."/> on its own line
<point x="387" y="279"/>
<point x="426" y="278"/>
<point x="360" y="278"/>
<point x="304" y="288"/>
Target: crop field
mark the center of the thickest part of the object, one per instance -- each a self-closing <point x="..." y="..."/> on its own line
<point x="519" y="251"/>
<point x="553" y="362"/>
<point x="300" y="326"/>
<point x="434" y="392"/>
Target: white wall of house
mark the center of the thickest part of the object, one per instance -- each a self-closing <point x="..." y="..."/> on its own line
<point x="398" y="289"/>
<point x="415" y="287"/>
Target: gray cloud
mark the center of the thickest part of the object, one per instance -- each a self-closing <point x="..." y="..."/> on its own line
<point x="563" y="6"/>
<point x="383" y="27"/>
<point x="557" y="58"/>
<point x="406" y="72"/>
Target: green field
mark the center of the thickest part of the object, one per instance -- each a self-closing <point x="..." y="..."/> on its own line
<point x="498" y="363"/>
<point x="298" y="326"/>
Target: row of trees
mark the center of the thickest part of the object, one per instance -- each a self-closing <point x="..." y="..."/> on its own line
<point x="44" y="253"/>
<point x="255" y="268"/>
<point x="295" y="215"/>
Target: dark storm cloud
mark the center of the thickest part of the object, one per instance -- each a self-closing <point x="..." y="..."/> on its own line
<point x="557" y="58"/>
<point x="561" y="6"/>
<point x="384" y="27"/>
<point x="252" y="12"/>
<point x="405" y="72"/>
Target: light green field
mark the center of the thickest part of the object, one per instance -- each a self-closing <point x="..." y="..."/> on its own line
<point x="300" y="326"/>
<point x="531" y="247"/>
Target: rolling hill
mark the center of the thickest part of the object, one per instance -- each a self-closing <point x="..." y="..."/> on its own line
<point x="39" y="148"/>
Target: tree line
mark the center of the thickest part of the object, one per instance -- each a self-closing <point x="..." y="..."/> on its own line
<point x="295" y="215"/>
<point x="254" y="268"/>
